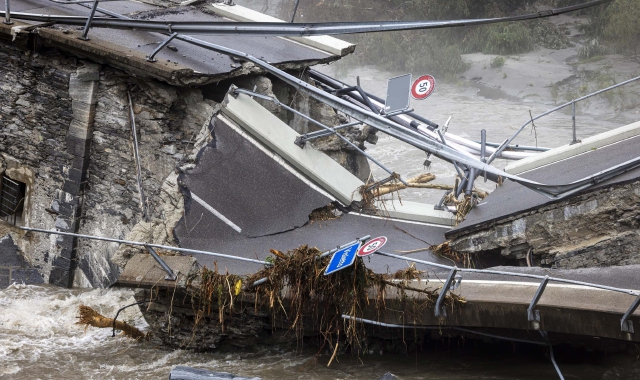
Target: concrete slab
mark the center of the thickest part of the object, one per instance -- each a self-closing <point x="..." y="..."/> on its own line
<point x="511" y="198"/>
<point x="557" y="154"/>
<point x="143" y="271"/>
<point x="246" y="188"/>
<point x="184" y="65"/>
<point x="279" y="137"/>
<point x="418" y="212"/>
<point x="325" y="43"/>
<point x="325" y="235"/>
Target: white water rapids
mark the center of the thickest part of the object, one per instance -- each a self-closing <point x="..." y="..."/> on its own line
<point x="40" y="340"/>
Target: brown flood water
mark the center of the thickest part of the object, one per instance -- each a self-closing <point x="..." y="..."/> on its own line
<point x="40" y="340"/>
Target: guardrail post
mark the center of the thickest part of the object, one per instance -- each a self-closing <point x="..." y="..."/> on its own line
<point x="170" y="275"/>
<point x="534" y="315"/>
<point x="625" y="324"/>
<point x="85" y="31"/>
<point x="295" y="9"/>
<point x="151" y="58"/>
<point x="573" y="120"/>
<point x="7" y="15"/>
<point x="440" y="310"/>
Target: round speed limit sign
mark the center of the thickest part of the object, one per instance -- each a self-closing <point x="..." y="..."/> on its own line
<point x="371" y="246"/>
<point x="423" y="87"/>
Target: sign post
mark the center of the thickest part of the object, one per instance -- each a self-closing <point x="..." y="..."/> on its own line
<point x="423" y="87"/>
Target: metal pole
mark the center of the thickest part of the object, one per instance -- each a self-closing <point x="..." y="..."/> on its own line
<point x="573" y="120"/>
<point x="483" y="145"/>
<point x="625" y="324"/>
<point x="170" y="275"/>
<point x="440" y="311"/>
<point x="164" y="43"/>
<point x="553" y="358"/>
<point x="136" y="155"/>
<point x="534" y="315"/>
<point x="7" y="19"/>
<point x="295" y="9"/>
<point x="85" y="31"/>
<point x="167" y="247"/>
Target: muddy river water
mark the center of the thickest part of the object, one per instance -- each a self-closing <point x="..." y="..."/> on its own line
<point x="40" y="340"/>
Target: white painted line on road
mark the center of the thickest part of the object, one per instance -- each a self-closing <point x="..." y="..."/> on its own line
<point x="215" y="212"/>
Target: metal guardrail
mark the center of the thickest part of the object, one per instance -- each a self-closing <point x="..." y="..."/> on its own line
<point x="573" y="112"/>
<point x="533" y="315"/>
<point x="142" y="244"/>
<point x="453" y="279"/>
<point x="289" y="29"/>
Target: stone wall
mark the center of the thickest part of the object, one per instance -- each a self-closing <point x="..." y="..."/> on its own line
<point x="35" y="114"/>
<point x="601" y="228"/>
<point x="167" y="121"/>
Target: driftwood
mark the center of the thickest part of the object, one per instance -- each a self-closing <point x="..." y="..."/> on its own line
<point x="89" y="317"/>
<point x="420" y="182"/>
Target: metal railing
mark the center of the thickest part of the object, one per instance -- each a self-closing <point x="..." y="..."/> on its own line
<point x="453" y="280"/>
<point x="571" y="103"/>
<point x="533" y="315"/>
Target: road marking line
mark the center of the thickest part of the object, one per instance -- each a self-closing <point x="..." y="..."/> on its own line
<point x="215" y="212"/>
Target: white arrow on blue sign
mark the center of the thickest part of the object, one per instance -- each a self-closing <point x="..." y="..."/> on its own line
<point x="343" y="258"/>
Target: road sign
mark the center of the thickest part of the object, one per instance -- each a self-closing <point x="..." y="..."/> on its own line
<point x="371" y="246"/>
<point x="342" y="258"/>
<point x="398" y="89"/>
<point x="423" y="87"/>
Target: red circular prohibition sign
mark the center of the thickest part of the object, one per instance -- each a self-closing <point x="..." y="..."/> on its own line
<point x="423" y="87"/>
<point x="371" y="246"/>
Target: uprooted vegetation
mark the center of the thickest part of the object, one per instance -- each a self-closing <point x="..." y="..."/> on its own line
<point x="299" y="298"/>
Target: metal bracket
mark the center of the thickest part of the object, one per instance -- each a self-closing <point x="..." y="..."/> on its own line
<point x="625" y="323"/>
<point x="85" y="31"/>
<point x="164" y="43"/>
<point x="170" y="275"/>
<point x="534" y="315"/>
<point x="440" y="310"/>
<point x="7" y="15"/>
<point x="440" y="205"/>
<point x="302" y="139"/>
